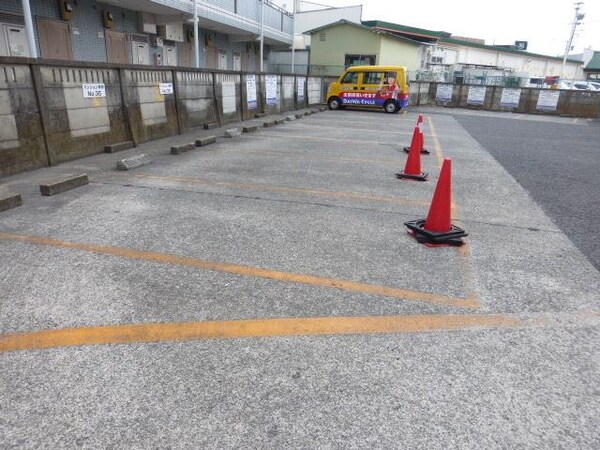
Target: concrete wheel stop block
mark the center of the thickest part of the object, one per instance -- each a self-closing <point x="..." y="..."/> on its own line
<point x="290" y="118"/>
<point x="250" y="128"/>
<point x="279" y="121"/>
<point x="232" y="132"/>
<point x="10" y="201"/>
<point x="211" y="126"/>
<point x="202" y="142"/>
<point x="299" y="116"/>
<point x="133" y="162"/>
<point x="269" y="123"/>
<point x="178" y="149"/>
<point x="119" y="146"/>
<point x="65" y="184"/>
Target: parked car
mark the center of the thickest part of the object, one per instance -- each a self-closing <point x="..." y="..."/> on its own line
<point x="370" y="87"/>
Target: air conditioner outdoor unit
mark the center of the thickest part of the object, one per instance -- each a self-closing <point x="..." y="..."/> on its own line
<point x="147" y="23"/>
<point x="171" y="31"/>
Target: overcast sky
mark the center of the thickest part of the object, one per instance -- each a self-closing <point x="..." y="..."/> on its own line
<point x="544" y="24"/>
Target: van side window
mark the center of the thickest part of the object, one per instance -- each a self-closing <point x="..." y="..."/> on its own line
<point x="350" y="78"/>
<point x="372" y="77"/>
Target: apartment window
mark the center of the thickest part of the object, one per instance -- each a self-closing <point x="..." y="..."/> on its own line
<point x="322" y="37"/>
<point x="359" y="60"/>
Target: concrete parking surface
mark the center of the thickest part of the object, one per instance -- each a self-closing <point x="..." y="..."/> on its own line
<point x="263" y="292"/>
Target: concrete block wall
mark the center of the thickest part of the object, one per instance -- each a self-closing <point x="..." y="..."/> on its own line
<point x="46" y="119"/>
<point x="76" y="126"/>
<point x="248" y="113"/>
<point x="196" y="102"/>
<point x="229" y="94"/>
<point x="288" y="92"/>
<point x="315" y="90"/>
<point x="22" y="145"/>
<point x="570" y="102"/>
<point x="151" y="114"/>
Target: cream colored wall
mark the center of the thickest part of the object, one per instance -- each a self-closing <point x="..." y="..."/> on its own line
<point x="394" y="52"/>
<point x="327" y="58"/>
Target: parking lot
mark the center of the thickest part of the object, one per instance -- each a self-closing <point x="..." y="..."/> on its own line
<point x="263" y="292"/>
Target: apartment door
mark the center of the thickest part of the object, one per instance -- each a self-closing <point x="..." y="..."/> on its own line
<point x="211" y="58"/>
<point x="237" y="61"/>
<point x="185" y="54"/>
<point x="55" y="39"/>
<point x="116" y="47"/>
<point x="13" y="41"/>
<point x="221" y="60"/>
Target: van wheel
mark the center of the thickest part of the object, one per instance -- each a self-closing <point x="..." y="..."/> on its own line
<point x="390" y="107"/>
<point x="334" y="103"/>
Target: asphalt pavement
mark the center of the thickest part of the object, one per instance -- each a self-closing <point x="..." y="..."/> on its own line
<point x="263" y="292"/>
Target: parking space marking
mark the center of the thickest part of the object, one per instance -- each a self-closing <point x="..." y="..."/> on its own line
<point x="322" y="158"/>
<point x="251" y="328"/>
<point x="464" y="251"/>
<point x="362" y="130"/>
<point x="346" y="142"/>
<point x="283" y="189"/>
<point x="250" y="271"/>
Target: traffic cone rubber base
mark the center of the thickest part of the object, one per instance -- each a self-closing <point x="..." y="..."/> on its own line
<point x="406" y="176"/>
<point x="424" y="151"/>
<point x="423" y="236"/>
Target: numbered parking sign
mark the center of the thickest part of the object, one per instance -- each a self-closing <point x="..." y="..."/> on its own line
<point x="94" y="90"/>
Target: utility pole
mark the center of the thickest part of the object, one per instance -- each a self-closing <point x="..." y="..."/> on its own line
<point x="576" y="22"/>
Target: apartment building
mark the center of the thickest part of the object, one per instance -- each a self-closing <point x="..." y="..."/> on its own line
<point x="147" y="32"/>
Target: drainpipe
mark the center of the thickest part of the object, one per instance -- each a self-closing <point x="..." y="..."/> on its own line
<point x="29" y="28"/>
<point x="262" y="33"/>
<point x="196" y="37"/>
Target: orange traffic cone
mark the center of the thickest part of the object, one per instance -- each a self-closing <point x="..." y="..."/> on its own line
<point x="437" y="228"/>
<point x="412" y="170"/>
<point x="420" y="127"/>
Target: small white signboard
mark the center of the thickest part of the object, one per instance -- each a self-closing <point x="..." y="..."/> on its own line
<point x="476" y="95"/>
<point x="251" y="92"/>
<point x="444" y="93"/>
<point x="510" y="98"/>
<point x="300" y="88"/>
<point x="548" y="100"/>
<point x="166" y="88"/>
<point x="94" y="90"/>
<point x="271" y="89"/>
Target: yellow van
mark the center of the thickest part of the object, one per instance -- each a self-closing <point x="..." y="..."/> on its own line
<point x="371" y="87"/>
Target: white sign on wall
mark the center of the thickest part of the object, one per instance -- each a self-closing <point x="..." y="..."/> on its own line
<point x="93" y="90"/>
<point x="476" y="95"/>
<point x="548" y="100"/>
<point x="166" y="88"/>
<point x="510" y="98"/>
<point x="251" y="92"/>
<point x="444" y="93"/>
<point x="271" y="89"/>
<point x="300" y="88"/>
<point x="228" y="97"/>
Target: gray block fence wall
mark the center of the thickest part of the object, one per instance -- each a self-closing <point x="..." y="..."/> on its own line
<point x="47" y="116"/>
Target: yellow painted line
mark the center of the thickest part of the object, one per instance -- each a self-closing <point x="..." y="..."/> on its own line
<point x="251" y="328"/>
<point x="249" y="271"/>
<point x="345" y="141"/>
<point x="305" y="156"/>
<point x="464" y="251"/>
<point x="375" y="129"/>
<point x="275" y="188"/>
